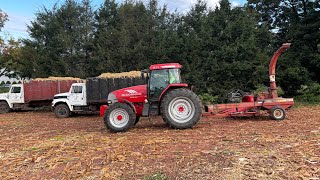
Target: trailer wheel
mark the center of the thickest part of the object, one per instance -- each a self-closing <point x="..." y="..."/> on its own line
<point x="119" y="117"/>
<point x="4" y="107"/>
<point x="62" y="111"/>
<point x="181" y="108"/>
<point x="277" y="113"/>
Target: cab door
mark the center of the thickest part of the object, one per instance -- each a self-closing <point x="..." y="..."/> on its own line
<point x="16" y="94"/>
<point x="77" y="96"/>
<point x="159" y="80"/>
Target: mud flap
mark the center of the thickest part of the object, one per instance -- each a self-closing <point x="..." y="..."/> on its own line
<point x="145" y="111"/>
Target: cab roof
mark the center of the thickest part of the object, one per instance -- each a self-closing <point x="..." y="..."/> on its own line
<point x="165" y="66"/>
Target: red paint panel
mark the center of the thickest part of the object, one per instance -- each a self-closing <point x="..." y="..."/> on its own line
<point x="45" y="90"/>
<point x="165" y="66"/>
<point x="248" y="98"/>
<point x="172" y="86"/>
<point x="103" y="109"/>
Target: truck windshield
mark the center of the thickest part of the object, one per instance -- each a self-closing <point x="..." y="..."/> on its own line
<point x="76" y="89"/>
<point x="15" y="89"/>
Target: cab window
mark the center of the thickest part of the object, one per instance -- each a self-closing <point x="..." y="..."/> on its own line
<point x="76" y="89"/>
<point x="174" y="76"/>
<point x="15" y="89"/>
<point x="159" y="80"/>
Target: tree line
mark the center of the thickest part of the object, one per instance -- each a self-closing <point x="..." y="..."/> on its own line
<point x="221" y="48"/>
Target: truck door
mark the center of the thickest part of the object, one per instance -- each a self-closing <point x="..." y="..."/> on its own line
<point x="77" y="96"/>
<point x="16" y="94"/>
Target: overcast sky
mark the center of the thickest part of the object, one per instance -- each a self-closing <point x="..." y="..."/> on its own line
<point x="21" y="12"/>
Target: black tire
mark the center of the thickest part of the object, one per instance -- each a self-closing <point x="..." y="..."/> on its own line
<point x="62" y="111"/>
<point x="116" y="111"/>
<point x="183" y="99"/>
<point x="277" y="113"/>
<point x="4" y="107"/>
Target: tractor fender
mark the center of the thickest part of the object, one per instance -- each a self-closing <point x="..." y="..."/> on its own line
<point x="170" y="87"/>
<point x="127" y="102"/>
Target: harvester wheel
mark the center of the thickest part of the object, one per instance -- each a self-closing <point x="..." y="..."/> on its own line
<point x="119" y="117"/>
<point x="277" y="113"/>
<point x="4" y="107"/>
<point x="62" y="111"/>
<point x="181" y="108"/>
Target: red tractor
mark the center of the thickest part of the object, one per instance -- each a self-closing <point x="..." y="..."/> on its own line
<point x="181" y="108"/>
<point x="164" y="95"/>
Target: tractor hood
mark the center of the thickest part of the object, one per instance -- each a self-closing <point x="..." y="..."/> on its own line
<point x="134" y="94"/>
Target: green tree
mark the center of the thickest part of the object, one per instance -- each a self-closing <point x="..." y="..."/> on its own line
<point x="9" y="51"/>
<point x="223" y="49"/>
<point x="297" y="21"/>
<point x="131" y="36"/>
<point x="60" y="40"/>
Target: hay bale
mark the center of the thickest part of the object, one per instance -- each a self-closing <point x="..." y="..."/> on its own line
<point x="131" y="74"/>
<point x="52" y="78"/>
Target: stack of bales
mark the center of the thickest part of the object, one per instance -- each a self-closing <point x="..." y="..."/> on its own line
<point x="131" y="74"/>
<point x="52" y="78"/>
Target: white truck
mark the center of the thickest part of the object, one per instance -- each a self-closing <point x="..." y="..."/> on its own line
<point x="31" y="94"/>
<point x="89" y="96"/>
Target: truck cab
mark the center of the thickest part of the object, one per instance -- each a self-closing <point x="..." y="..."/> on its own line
<point x="9" y="99"/>
<point x="74" y="100"/>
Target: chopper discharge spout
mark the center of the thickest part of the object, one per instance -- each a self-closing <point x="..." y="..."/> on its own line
<point x="272" y="69"/>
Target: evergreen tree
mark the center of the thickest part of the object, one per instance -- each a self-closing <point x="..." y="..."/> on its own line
<point x="297" y="21"/>
<point x="60" y="38"/>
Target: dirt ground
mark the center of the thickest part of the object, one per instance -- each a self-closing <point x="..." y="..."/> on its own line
<point x="36" y="145"/>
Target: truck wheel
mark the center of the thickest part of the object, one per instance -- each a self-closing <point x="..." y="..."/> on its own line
<point x="119" y="117"/>
<point x="4" y="107"/>
<point x="277" y="113"/>
<point x="62" y="111"/>
<point x="181" y="108"/>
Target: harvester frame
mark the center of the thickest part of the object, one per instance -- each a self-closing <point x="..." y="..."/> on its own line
<point x="250" y="106"/>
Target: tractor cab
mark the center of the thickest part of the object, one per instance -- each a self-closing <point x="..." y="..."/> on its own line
<point x="160" y="79"/>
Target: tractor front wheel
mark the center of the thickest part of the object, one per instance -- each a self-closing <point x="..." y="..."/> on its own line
<point x="119" y="117"/>
<point x="277" y="113"/>
<point x="181" y="108"/>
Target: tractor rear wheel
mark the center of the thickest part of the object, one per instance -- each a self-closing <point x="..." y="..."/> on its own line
<point x="119" y="117"/>
<point x="4" y="107"/>
<point x="277" y="113"/>
<point x="181" y="108"/>
<point x="62" y="111"/>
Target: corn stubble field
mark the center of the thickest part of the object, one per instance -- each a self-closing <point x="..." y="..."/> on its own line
<point x="36" y="145"/>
